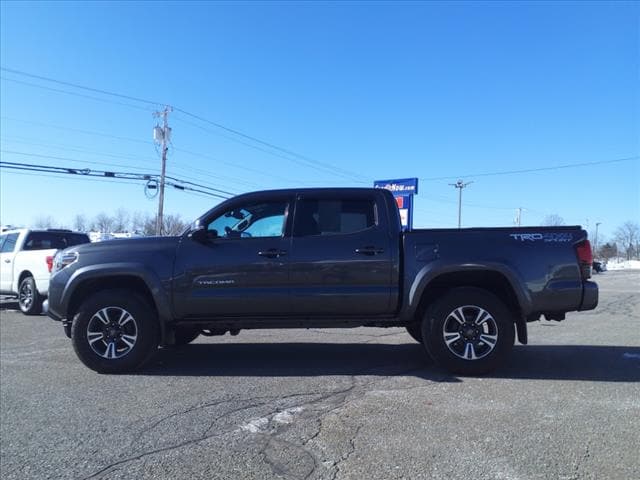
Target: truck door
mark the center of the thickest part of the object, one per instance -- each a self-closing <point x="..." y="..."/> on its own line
<point x="341" y="256"/>
<point x="7" y="257"/>
<point x="242" y="269"/>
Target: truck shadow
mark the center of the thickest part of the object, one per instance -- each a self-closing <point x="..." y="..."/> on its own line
<point x="294" y="360"/>
<point x="533" y="362"/>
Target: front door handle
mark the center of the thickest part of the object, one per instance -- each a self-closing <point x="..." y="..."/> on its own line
<point x="6" y="260"/>
<point x="369" y="250"/>
<point x="272" y="253"/>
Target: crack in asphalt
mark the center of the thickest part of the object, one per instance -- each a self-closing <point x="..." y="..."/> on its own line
<point x="352" y="444"/>
<point x="336" y="399"/>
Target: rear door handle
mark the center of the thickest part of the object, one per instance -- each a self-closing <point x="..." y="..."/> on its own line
<point x="6" y="260"/>
<point x="369" y="250"/>
<point x="272" y="253"/>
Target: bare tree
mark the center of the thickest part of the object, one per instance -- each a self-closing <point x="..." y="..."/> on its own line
<point x="80" y="223"/>
<point x="553" y="220"/>
<point x="103" y="223"/>
<point x="138" y="219"/>
<point x="43" y="221"/>
<point x="607" y="251"/>
<point x="121" y="220"/>
<point x="174" y="225"/>
<point x="628" y="237"/>
<point x="149" y="227"/>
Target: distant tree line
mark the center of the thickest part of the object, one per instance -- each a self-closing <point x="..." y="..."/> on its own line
<point x="120" y="221"/>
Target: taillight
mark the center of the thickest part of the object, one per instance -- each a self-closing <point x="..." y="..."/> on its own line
<point x="585" y="258"/>
<point x="50" y="263"/>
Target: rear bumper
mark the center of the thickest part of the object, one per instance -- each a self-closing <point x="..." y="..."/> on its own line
<point x="589" y="296"/>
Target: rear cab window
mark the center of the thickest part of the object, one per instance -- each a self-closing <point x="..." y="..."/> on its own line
<point x="54" y="240"/>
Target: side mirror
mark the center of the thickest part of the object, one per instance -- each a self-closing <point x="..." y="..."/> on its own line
<point x="202" y="235"/>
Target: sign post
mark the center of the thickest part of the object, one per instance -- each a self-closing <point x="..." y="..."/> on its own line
<point x="403" y="190"/>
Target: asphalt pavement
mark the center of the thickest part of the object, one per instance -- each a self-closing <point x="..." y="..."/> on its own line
<point x="329" y="404"/>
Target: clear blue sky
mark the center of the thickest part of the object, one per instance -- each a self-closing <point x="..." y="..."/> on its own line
<point x="383" y="90"/>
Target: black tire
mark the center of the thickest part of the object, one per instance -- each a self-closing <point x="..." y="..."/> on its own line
<point x="29" y="300"/>
<point x="185" y="335"/>
<point x="121" y="357"/>
<point x="467" y="353"/>
<point x="415" y="330"/>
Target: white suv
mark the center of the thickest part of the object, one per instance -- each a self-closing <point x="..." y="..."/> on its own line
<point x="26" y="258"/>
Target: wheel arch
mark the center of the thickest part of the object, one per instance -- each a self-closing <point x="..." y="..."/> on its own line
<point x="83" y="284"/>
<point x="493" y="281"/>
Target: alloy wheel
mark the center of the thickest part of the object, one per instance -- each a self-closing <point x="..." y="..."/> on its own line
<point x="470" y="332"/>
<point x="112" y="332"/>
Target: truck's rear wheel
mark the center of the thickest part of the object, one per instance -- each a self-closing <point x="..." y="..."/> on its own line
<point x="114" y="331"/>
<point x="468" y="331"/>
<point x="29" y="300"/>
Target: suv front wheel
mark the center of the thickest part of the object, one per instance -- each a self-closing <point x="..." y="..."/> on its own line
<point x="115" y="331"/>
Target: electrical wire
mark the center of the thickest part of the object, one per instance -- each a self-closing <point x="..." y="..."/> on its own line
<point x="82" y="87"/>
<point x="77" y="130"/>
<point x="301" y="159"/>
<point x="105" y="100"/>
<point x="174" y="182"/>
<point x="533" y="170"/>
<point x="324" y="170"/>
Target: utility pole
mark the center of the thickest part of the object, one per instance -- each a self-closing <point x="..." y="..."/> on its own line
<point x="595" y="242"/>
<point x="162" y="135"/>
<point x="460" y="185"/>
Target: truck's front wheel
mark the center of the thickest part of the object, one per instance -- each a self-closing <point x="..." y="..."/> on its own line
<point x="114" y="331"/>
<point x="468" y="331"/>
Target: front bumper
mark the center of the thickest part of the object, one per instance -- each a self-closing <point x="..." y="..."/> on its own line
<point x="57" y="283"/>
<point x="589" y="296"/>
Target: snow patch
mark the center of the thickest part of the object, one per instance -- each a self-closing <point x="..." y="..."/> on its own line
<point x="624" y="265"/>
<point x="286" y="416"/>
<point x="255" y="426"/>
<point x="259" y="425"/>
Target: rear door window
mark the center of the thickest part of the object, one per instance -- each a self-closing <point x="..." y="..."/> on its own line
<point x="333" y="216"/>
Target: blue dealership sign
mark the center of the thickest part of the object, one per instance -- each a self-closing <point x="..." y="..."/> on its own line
<point x="403" y="190"/>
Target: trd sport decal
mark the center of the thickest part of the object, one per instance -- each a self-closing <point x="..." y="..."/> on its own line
<point x="545" y="237"/>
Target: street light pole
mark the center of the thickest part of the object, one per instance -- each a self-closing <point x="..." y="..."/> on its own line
<point x="460" y="185"/>
<point x="595" y="242"/>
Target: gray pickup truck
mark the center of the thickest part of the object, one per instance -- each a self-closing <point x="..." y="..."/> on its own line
<point x="318" y="258"/>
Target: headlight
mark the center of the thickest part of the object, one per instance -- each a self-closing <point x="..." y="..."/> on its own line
<point x="64" y="259"/>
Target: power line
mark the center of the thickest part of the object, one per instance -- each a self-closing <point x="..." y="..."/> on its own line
<point x="62" y="176"/>
<point x="77" y="130"/>
<point x="325" y="167"/>
<point x="541" y="169"/>
<point x="273" y="153"/>
<point x="75" y="148"/>
<point x="53" y="157"/>
<point x="82" y="87"/>
<point x="174" y="182"/>
<point x="306" y="161"/>
<point x="74" y="93"/>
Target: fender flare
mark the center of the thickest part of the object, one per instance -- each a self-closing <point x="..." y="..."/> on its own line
<point x="427" y="274"/>
<point x="127" y="269"/>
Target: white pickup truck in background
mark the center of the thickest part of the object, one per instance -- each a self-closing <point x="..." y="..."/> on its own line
<point x="26" y="258"/>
